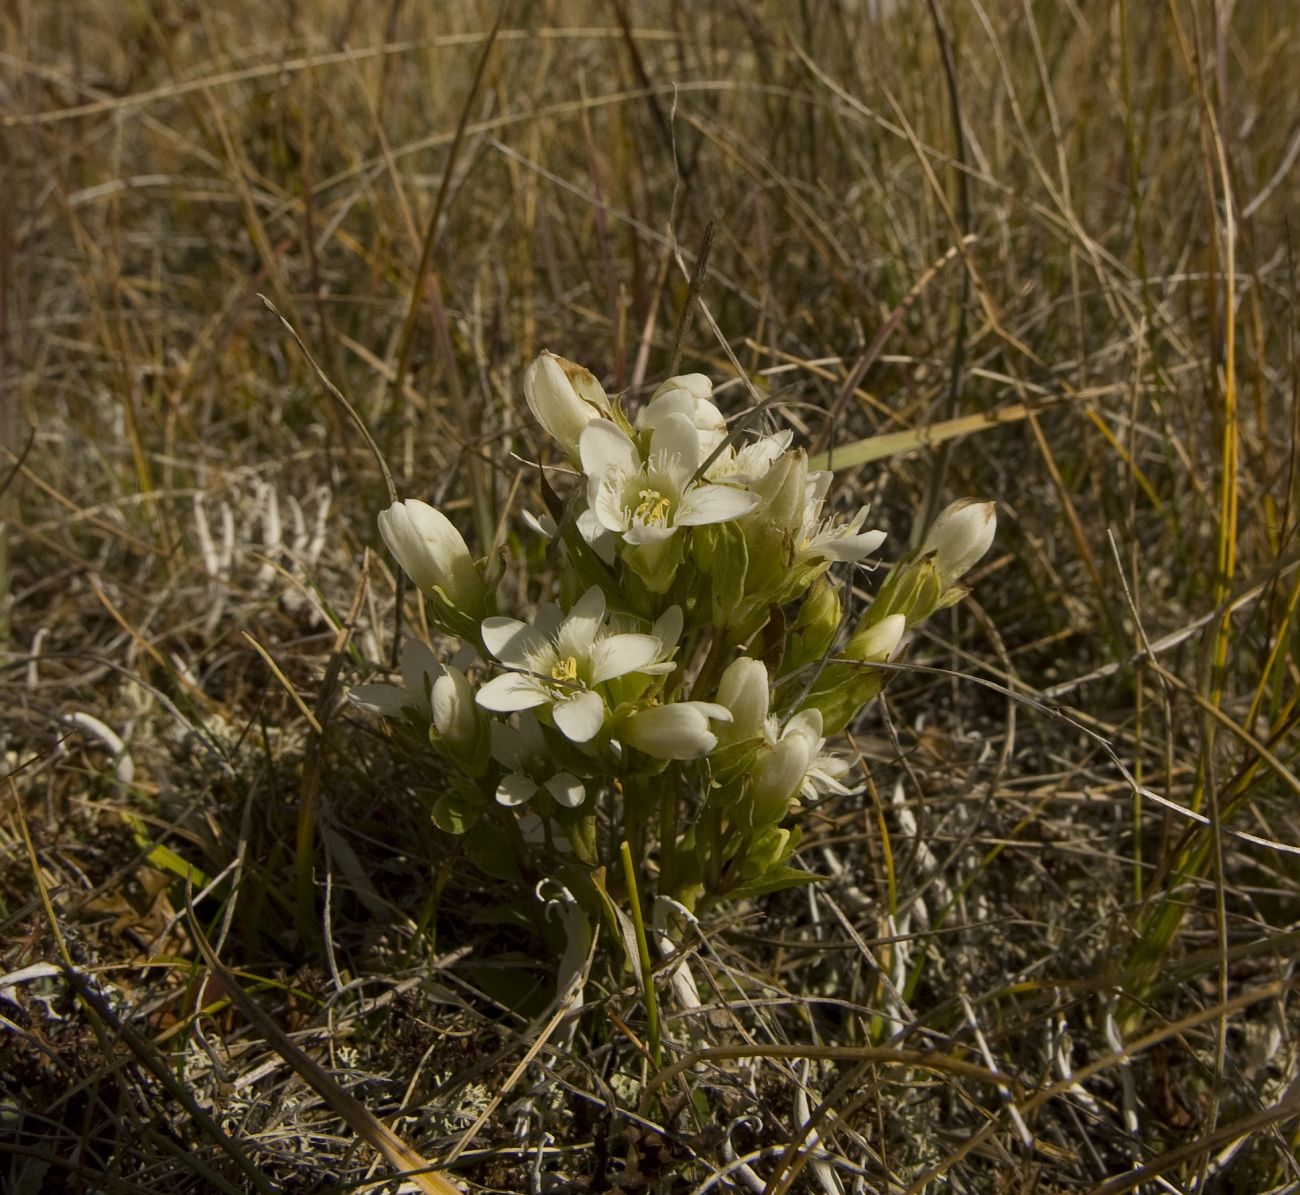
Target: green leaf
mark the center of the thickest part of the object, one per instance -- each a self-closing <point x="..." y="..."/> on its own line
<point x="455" y="812"/>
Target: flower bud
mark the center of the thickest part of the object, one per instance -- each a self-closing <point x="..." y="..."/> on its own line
<point x="815" y="627"/>
<point x="779" y="774"/>
<point x="877" y="642"/>
<point x="458" y="722"/>
<point x="564" y="397"/>
<point x="698" y="385"/>
<point x="784" y="490"/>
<point x="690" y="395"/>
<point x="960" y="536"/>
<point x="745" y="690"/>
<point x="433" y="554"/>
<point x="676" y="731"/>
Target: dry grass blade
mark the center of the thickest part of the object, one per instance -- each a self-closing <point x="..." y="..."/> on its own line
<point x="891" y="444"/>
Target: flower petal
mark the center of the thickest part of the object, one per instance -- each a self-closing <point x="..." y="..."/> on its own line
<point x="567" y="790"/>
<point x="512" y="691"/>
<point x="714" y="504"/>
<point x="606" y="447"/>
<point x="848" y="547"/>
<point x="564" y="397"/>
<point x="388" y="701"/>
<point x="668" y="627"/>
<point x="605" y="499"/>
<point x="420" y="668"/>
<point x="617" y="655"/>
<point x="745" y="689"/>
<point x="678" y="731"/>
<point x="432" y="552"/>
<point x="599" y="538"/>
<point x="579" y="717"/>
<point x="581" y="625"/>
<point x="515" y="790"/>
<point x="514" y="642"/>
<point x="645" y="533"/>
<point x="675" y="448"/>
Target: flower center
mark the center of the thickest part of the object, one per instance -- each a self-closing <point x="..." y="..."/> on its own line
<point x="652" y="510"/>
<point x="566" y="669"/>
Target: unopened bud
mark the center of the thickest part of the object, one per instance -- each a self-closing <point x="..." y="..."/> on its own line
<point x="960" y="536"/>
<point x="564" y="397"/>
<point x="877" y="642"/>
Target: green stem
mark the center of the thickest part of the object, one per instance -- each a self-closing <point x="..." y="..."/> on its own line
<point x="643" y="951"/>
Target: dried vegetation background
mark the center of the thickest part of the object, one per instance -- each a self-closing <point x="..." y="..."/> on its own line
<point x="1075" y="861"/>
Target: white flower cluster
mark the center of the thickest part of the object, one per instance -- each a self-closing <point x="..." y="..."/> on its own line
<point x="683" y="547"/>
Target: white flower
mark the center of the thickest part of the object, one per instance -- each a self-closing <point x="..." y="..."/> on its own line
<point x="745" y="689"/>
<point x="561" y="663"/>
<point x="563" y="397"/>
<point x="821" y="539"/>
<point x="419" y="667"/>
<point x="451" y="705"/>
<point x="795" y="764"/>
<point x="960" y="536"/>
<point x="647" y="503"/>
<point x="523" y="750"/>
<point x="676" y="731"/>
<point x="747" y="464"/>
<point x="433" y="554"/>
<point x="689" y="395"/>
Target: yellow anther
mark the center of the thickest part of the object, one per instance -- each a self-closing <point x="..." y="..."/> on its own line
<point x="653" y="508"/>
<point x="566" y="669"/>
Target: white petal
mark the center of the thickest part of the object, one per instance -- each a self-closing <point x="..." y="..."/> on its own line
<point x="514" y="642"/>
<point x="665" y="403"/>
<point x="600" y="539"/>
<point x="644" y="533"/>
<point x="878" y="642"/>
<point x="668" y="627"/>
<point x="452" y="707"/>
<point x="698" y="385"/>
<point x="515" y="790"/>
<point x="710" y="709"/>
<point x="848" y="547"/>
<point x="507" y="745"/>
<point x="420" y="668"/>
<point x="745" y="689"/>
<point x="605" y="499"/>
<point x="805" y="725"/>
<point x="431" y="552"/>
<point x="579" y="717"/>
<point x="543" y="524"/>
<point x="778" y="775"/>
<point x="512" y="691"/>
<point x="755" y="459"/>
<point x="678" y="731"/>
<point x="547" y="619"/>
<point x="388" y="701"/>
<point x="675" y="448"/>
<point x="960" y="536"/>
<point x="582" y="624"/>
<point x="564" y="397"/>
<point x="567" y="790"/>
<point x="617" y="655"/>
<point x="714" y="504"/>
<point x="604" y="447"/>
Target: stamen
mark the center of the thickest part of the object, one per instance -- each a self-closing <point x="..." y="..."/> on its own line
<point x="566" y="669"/>
<point x="653" y="508"/>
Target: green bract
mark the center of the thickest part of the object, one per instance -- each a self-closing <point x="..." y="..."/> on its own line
<point x="681" y="699"/>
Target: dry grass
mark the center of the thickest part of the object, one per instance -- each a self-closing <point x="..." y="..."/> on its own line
<point x="1075" y="862"/>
